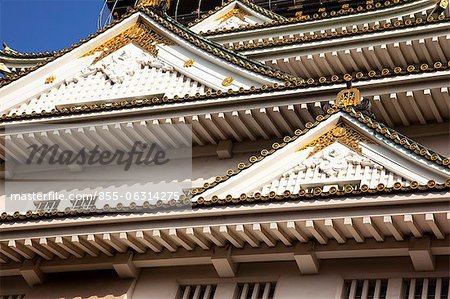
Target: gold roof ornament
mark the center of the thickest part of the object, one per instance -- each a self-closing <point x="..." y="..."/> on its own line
<point x="228" y="81"/>
<point x="189" y="63"/>
<point x="443" y="4"/>
<point x="50" y="79"/>
<point x="300" y="16"/>
<point x="439" y="9"/>
<point x="140" y="34"/>
<point x="341" y="133"/>
<point x="153" y="3"/>
<point x="348" y="97"/>
<point x="235" y="12"/>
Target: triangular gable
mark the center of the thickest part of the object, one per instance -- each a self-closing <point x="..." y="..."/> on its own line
<point x="121" y="74"/>
<point x="167" y="47"/>
<point x="334" y="166"/>
<point x="341" y="150"/>
<point x="234" y="14"/>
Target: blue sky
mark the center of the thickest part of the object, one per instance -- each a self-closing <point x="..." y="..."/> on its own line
<point x="45" y="25"/>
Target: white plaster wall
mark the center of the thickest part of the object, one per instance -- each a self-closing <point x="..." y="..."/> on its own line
<point x="155" y="286"/>
<point x="163" y="283"/>
<point x="313" y="286"/>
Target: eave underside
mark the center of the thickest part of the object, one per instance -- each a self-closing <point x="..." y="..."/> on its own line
<point x="253" y="234"/>
<point x="268" y="116"/>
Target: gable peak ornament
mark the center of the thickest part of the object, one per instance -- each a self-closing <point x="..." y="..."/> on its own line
<point x="235" y="12"/>
<point x="348" y="97"/>
<point x="341" y="133"/>
<point x="439" y="9"/>
<point x="139" y="34"/>
<point x="351" y="96"/>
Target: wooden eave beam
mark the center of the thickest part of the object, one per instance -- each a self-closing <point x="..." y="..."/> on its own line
<point x="307" y="256"/>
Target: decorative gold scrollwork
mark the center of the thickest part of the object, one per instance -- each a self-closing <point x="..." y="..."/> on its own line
<point x="235" y="12"/>
<point x="140" y="34"/>
<point x="341" y="133"/>
<point x="157" y="3"/>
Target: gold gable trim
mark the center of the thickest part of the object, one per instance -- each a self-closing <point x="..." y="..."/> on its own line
<point x="235" y="12"/>
<point x="140" y="34"/>
<point x="340" y="133"/>
<point x="156" y="3"/>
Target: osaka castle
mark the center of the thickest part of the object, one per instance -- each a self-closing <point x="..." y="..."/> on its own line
<point x="231" y="150"/>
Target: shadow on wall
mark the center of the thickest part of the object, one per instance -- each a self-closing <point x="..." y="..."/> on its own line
<point x="83" y="285"/>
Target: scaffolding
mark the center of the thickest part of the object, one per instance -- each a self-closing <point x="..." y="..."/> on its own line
<point x="111" y="9"/>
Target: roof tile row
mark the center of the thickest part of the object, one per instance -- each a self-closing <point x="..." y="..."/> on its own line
<point x="325" y="15"/>
<point x="367" y="29"/>
<point x="298" y="84"/>
<point x="181" y="204"/>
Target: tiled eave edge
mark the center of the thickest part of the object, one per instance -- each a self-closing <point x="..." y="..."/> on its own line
<point x="182" y="32"/>
<point x="323" y="16"/>
<point x="200" y="203"/>
<point x="213" y="95"/>
<point x="375" y="127"/>
<point x="58" y="54"/>
<point x="220" y="51"/>
<point x="318" y="193"/>
<point x="336" y="35"/>
<point x="252" y="6"/>
<point x="30" y="55"/>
